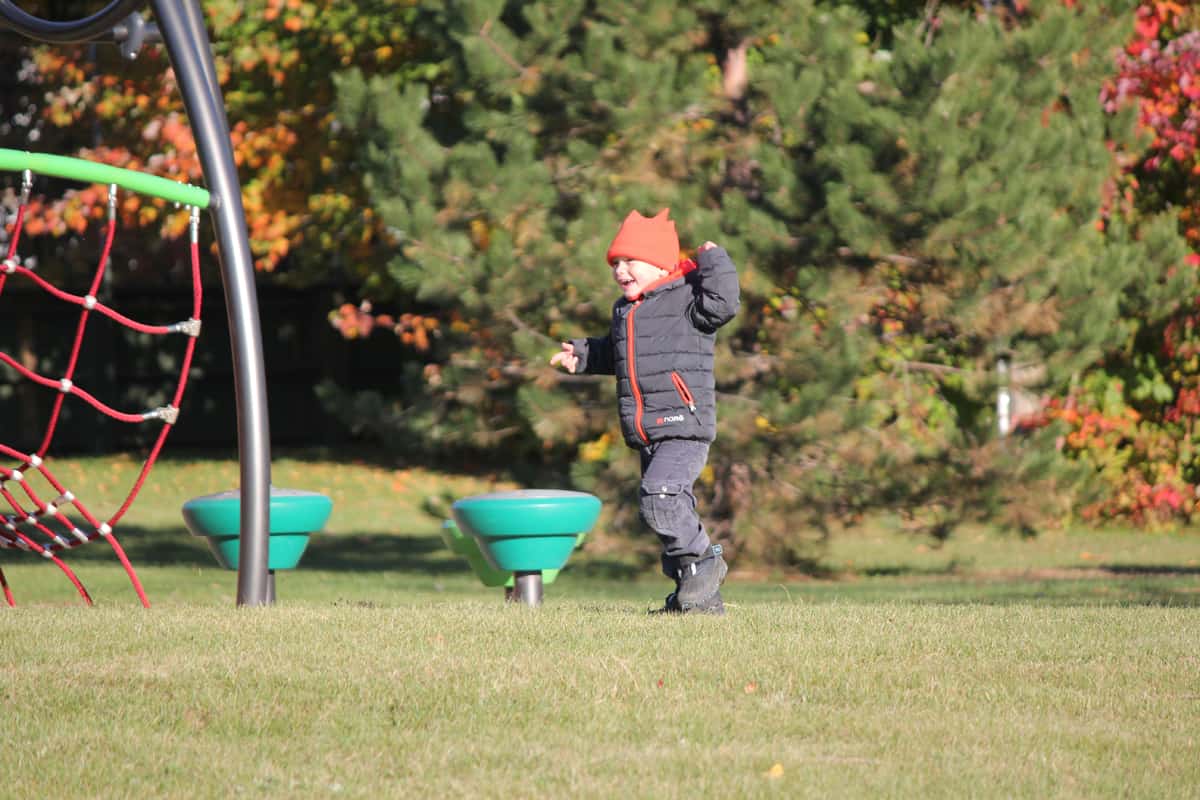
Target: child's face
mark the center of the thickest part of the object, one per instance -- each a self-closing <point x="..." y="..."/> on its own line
<point x="634" y="276"/>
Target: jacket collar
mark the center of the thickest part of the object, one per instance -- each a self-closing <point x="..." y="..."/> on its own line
<point x="681" y="269"/>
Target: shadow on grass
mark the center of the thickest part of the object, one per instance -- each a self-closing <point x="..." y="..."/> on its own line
<point x="952" y="584"/>
<point x="366" y="552"/>
<point x="1150" y="569"/>
<point x="605" y="569"/>
<point x="953" y="567"/>
<point x="362" y="552"/>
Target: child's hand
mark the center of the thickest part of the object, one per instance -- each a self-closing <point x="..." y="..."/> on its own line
<point x="706" y="246"/>
<point x="566" y="358"/>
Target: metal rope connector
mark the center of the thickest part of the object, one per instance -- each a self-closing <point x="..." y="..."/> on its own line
<point x="112" y="202"/>
<point x="26" y="186"/>
<point x="194" y="224"/>
<point x="190" y="326"/>
<point x="167" y="414"/>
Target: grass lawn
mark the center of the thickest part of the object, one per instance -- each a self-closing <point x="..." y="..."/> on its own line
<point x="989" y="667"/>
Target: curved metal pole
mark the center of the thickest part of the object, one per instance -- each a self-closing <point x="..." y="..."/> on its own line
<point x="182" y="27"/>
<point x="80" y="30"/>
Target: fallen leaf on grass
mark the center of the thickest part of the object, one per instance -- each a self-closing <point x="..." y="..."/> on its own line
<point x="775" y="772"/>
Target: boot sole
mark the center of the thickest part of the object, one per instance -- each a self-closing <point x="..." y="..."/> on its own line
<point x="713" y="606"/>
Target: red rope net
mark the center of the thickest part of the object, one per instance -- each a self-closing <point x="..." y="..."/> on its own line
<point x="47" y="525"/>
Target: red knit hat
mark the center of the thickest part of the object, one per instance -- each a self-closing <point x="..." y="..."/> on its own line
<point x="652" y="240"/>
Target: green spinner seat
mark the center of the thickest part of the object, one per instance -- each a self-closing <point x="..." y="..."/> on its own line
<point x="295" y="514"/>
<point x="527" y="532"/>
<point x="466" y="546"/>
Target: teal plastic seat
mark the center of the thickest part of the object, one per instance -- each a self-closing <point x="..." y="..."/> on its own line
<point x="295" y="514"/>
<point x="528" y="530"/>
<point x="466" y="546"/>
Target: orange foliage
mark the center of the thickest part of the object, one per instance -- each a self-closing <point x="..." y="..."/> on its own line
<point x="280" y="136"/>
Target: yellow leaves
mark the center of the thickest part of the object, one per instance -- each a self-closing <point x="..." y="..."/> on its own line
<point x="597" y="449"/>
<point x="147" y="215"/>
<point x="775" y="772"/>
<point x="175" y="226"/>
<point x="480" y="234"/>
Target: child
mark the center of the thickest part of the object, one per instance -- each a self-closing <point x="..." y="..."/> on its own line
<point x="660" y="348"/>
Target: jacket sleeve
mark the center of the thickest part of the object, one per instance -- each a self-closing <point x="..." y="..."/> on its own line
<point x="595" y="355"/>
<point x="716" y="296"/>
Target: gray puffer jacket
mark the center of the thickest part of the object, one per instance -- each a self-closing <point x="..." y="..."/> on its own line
<point x="661" y="350"/>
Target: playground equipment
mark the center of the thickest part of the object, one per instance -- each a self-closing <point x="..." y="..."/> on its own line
<point x="463" y="545"/>
<point x="180" y="27"/>
<point x="295" y="514"/>
<point x="527" y="532"/>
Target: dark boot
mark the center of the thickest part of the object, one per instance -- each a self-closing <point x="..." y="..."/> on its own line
<point x="670" y="568"/>
<point x="671" y="604"/>
<point x="700" y="579"/>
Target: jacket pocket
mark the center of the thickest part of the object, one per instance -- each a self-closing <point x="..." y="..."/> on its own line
<point x="685" y="394"/>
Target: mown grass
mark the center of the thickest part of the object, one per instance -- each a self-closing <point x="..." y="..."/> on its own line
<point x="989" y="667"/>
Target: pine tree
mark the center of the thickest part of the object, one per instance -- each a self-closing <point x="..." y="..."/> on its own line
<point x="902" y="219"/>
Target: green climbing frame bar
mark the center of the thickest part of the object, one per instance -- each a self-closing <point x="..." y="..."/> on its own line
<point x="79" y="170"/>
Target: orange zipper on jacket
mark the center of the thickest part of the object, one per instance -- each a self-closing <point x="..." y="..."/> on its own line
<point x="685" y="394"/>
<point x="631" y="359"/>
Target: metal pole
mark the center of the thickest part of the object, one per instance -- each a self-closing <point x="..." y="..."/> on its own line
<point x="181" y="24"/>
<point x="527" y="588"/>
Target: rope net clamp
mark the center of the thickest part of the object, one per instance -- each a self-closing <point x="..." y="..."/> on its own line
<point x="191" y="327"/>
<point x="167" y="414"/>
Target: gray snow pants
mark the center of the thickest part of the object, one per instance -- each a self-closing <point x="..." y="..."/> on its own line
<point x="669" y="470"/>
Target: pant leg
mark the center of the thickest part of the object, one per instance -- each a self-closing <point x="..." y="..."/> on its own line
<point x="668" y="506"/>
